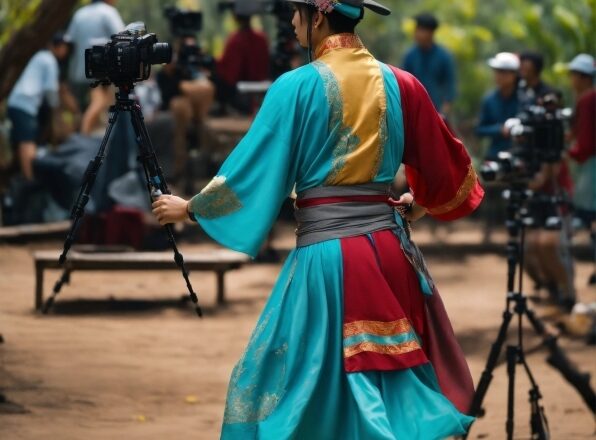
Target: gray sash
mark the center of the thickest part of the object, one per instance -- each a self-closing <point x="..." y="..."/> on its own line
<point x="345" y="219"/>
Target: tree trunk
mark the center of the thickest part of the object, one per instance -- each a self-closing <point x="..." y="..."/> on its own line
<point x="50" y="16"/>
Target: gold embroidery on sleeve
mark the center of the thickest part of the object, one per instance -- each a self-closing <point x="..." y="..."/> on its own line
<point x="215" y="200"/>
<point x="462" y="194"/>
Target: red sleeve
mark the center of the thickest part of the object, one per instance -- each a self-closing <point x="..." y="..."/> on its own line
<point x="438" y="168"/>
<point x="584" y="128"/>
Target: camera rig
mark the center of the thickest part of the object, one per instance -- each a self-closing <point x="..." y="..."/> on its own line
<point x="126" y="58"/>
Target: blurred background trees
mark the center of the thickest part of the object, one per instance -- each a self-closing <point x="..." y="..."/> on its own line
<point x="473" y="30"/>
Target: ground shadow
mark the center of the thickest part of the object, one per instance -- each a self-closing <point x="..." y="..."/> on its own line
<point x="126" y="306"/>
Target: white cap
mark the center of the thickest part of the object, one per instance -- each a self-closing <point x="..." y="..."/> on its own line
<point x="504" y="61"/>
<point x="583" y="63"/>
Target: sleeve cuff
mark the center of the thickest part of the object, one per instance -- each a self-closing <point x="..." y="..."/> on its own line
<point x="468" y="206"/>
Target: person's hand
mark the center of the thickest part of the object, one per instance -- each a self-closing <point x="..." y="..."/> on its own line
<point x="416" y="212"/>
<point x="505" y="131"/>
<point x="170" y="209"/>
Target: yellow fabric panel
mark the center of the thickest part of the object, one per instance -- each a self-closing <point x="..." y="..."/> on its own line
<point x="364" y="107"/>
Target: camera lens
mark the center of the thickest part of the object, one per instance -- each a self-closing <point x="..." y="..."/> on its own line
<point x="161" y="54"/>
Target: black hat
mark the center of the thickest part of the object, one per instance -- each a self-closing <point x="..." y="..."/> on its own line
<point x="327" y="5"/>
<point x="427" y="20"/>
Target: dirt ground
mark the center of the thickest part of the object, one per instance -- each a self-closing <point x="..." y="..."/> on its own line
<point x="122" y="357"/>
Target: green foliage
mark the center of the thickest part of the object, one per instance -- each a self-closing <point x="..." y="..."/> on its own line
<point x="13" y="15"/>
<point x="473" y="30"/>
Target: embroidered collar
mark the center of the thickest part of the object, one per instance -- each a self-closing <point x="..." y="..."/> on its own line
<point x="338" y="41"/>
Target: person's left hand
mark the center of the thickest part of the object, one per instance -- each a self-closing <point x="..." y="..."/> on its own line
<point x="170" y="209"/>
<point x="415" y="212"/>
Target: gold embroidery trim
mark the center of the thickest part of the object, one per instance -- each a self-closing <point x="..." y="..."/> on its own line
<point x="338" y="41"/>
<point x="215" y="200"/>
<point x="462" y="194"/>
<point x="395" y="349"/>
<point x="377" y="328"/>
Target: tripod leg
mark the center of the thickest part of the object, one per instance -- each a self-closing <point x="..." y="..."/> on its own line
<point x="487" y="374"/>
<point x="538" y="421"/>
<point x="64" y="279"/>
<point x="559" y="360"/>
<point x="78" y="209"/>
<point x="512" y="356"/>
<point x="93" y="167"/>
<point x="156" y="184"/>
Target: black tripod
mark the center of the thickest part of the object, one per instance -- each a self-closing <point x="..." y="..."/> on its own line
<point x="156" y="185"/>
<point x="516" y="303"/>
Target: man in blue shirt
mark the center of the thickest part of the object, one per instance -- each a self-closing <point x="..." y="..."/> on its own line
<point x="38" y="83"/>
<point x="500" y="104"/>
<point x="432" y="64"/>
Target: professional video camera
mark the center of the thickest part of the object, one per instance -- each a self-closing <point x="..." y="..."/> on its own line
<point x="183" y="23"/>
<point x="190" y="58"/>
<point x="126" y="58"/>
<point x="538" y="135"/>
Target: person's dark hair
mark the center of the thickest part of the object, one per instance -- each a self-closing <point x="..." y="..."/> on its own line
<point x="535" y="58"/>
<point x="585" y="76"/>
<point x="338" y="23"/>
<point x="243" y="20"/>
<point x="426" y="20"/>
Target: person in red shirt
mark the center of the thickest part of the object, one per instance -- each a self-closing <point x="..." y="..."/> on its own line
<point x="245" y="58"/>
<point x="583" y="150"/>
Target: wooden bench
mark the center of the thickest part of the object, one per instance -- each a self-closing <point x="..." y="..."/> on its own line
<point x="34" y="231"/>
<point x="218" y="260"/>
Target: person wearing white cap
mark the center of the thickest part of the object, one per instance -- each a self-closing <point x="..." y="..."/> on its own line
<point x="583" y="131"/>
<point x="500" y="104"/>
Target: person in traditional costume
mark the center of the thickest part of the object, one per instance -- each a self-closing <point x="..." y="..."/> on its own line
<point x="354" y="342"/>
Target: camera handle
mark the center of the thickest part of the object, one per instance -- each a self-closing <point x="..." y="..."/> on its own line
<point x="156" y="185"/>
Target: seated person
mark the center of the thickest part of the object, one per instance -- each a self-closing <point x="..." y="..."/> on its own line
<point x="245" y="58"/>
<point x="187" y="92"/>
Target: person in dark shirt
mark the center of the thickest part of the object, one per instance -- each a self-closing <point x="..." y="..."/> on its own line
<point x="188" y="93"/>
<point x="500" y="104"/>
<point x="532" y="89"/>
<point x="548" y="259"/>
<point x="432" y="64"/>
<point x="245" y="58"/>
<point x="583" y="150"/>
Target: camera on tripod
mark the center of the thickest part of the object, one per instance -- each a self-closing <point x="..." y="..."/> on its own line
<point x="126" y="58"/>
<point x="189" y="58"/>
<point x="538" y="135"/>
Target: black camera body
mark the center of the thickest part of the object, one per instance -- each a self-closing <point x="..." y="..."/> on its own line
<point x="191" y="59"/>
<point x="126" y="58"/>
<point x="183" y="23"/>
<point x="538" y="135"/>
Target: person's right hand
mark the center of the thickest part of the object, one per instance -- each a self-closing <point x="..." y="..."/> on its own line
<point x="170" y="209"/>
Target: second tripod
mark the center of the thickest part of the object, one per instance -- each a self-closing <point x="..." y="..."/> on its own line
<point x="516" y="305"/>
